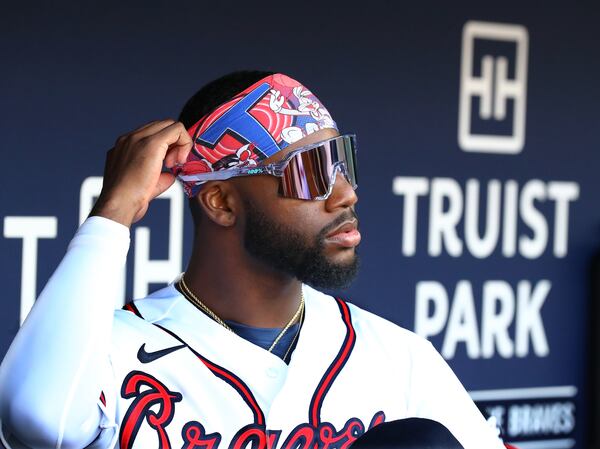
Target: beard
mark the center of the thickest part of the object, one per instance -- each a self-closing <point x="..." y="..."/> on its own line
<point x="286" y="250"/>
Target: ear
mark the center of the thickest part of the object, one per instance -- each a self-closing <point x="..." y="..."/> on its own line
<point x="219" y="202"/>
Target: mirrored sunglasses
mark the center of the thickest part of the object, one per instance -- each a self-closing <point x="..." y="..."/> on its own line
<point x="307" y="173"/>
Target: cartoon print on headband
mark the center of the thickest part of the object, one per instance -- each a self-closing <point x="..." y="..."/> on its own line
<point x="257" y="123"/>
<point x="306" y="106"/>
<point x="242" y="157"/>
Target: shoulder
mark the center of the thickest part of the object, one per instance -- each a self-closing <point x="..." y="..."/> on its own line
<point x="395" y="341"/>
<point x="371" y="327"/>
<point x="136" y="320"/>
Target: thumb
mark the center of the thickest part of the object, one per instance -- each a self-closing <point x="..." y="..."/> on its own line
<point x="165" y="180"/>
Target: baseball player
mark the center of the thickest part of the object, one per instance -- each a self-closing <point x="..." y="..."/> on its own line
<point x="242" y="350"/>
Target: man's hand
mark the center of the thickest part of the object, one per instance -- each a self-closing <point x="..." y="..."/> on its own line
<point x="133" y="173"/>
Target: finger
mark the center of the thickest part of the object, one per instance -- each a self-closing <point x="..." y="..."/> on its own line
<point x="151" y="128"/>
<point x="145" y="126"/>
<point x="182" y="154"/>
<point x="174" y="137"/>
<point x="165" y="180"/>
<point x="176" y="156"/>
<point x="128" y="135"/>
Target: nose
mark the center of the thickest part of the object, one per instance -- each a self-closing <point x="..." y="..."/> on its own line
<point x="342" y="194"/>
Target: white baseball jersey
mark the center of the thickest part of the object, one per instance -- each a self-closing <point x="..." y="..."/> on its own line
<point x="171" y="377"/>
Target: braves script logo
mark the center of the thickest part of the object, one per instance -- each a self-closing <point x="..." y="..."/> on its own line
<point x="315" y="434"/>
<point x="155" y="393"/>
<point x="255" y="436"/>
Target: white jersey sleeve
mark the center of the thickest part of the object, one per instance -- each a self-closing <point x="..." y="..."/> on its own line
<point x="58" y="365"/>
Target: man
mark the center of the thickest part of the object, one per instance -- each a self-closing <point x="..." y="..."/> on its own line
<point x="239" y="350"/>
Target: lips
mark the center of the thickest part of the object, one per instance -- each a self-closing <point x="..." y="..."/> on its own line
<point x="345" y="235"/>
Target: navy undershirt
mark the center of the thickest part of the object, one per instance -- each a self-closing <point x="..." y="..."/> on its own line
<point x="264" y="337"/>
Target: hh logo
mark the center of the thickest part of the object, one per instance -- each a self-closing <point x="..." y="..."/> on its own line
<point x="493" y="88"/>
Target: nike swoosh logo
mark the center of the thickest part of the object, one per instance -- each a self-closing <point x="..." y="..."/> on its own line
<point x="147" y="357"/>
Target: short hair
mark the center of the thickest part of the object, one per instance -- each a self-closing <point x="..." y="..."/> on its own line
<point x="218" y="92"/>
<point x="211" y="96"/>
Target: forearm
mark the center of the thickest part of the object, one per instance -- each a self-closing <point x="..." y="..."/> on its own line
<point x="51" y="378"/>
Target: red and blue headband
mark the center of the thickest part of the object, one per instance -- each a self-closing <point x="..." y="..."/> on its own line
<point x="255" y="124"/>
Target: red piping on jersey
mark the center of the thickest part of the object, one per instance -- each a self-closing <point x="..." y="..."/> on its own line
<point x="314" y="414"/>
<point x="131" y="307"/>
<point x="103" y="398"/>
<point x="227" y="376"/>
<point x="241" y="387"/>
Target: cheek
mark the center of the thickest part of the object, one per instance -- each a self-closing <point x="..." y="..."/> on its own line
<point x="306" y="218"/>
<point x="259" y="191"/>
<point x="267" y="188"/>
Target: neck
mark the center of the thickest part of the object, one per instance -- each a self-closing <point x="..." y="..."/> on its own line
<point x="237" y="287"/>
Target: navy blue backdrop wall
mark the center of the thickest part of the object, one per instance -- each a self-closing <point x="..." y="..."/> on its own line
<point x="477" y="129"/>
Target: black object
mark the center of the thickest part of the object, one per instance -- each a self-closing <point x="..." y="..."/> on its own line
<point x="147" y="357"/>
<point x="593" y="398"/>
<point x="410" y="433"/>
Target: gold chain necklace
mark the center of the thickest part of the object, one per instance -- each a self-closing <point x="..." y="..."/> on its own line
<point x="187" y="293"/>
<point x="199" y="304"/>
<point x="289" y="324"/>
<point x="295" y="336"/>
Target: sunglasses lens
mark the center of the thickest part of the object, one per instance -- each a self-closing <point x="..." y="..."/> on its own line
<point x="310" y="174"/>
<point x="349" y="154"/>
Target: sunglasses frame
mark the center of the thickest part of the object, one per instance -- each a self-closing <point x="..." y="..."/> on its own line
<point x="277" y="168"/>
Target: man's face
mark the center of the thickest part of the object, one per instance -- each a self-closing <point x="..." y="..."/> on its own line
<point x="315" y="241"/>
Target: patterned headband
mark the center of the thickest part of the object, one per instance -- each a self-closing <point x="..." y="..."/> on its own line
<point x="255" y="124"/>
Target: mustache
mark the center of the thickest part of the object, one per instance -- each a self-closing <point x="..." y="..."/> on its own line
<point x="345" y="216"/>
